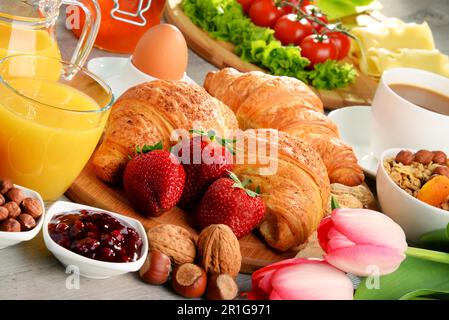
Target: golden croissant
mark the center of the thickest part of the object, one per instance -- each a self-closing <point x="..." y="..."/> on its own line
<point x="293" y="184"/>
<point x="149" y="113"/>
<point x="260" y="100"/>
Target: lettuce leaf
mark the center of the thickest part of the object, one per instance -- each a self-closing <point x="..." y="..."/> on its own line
<point x="224" y="20"/>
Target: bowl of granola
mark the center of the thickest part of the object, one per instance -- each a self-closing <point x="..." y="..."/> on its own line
<point x="413" y="190"/>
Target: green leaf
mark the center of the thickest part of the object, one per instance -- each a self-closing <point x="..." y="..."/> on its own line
<point x="334" y="204"/>
<point x="436" y="240"/>
<point x="336" y="9"/>
<point x="146" y="148"/>
<point x="415" y="278"/>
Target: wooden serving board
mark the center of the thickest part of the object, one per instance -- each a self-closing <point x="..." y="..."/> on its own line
<point x="221" y="54"/>
<point x="89" y="190"/>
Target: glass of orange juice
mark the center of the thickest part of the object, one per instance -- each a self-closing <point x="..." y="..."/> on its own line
<point x="51" y="119"/>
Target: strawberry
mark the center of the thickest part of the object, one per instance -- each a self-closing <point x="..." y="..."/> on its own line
<point x="227" y="201"/>
<point x="207" y="160"/>
<point x="153" y="180"/>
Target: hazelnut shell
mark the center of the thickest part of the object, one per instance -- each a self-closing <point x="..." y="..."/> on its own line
<point x="189" y="280"/>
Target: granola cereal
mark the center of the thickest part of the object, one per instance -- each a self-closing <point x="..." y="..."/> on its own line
<point x="412" y="175"/>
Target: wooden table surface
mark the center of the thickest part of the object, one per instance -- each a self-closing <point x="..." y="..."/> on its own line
<point x="29" y="271"/>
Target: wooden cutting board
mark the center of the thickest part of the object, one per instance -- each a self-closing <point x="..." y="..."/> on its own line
<point x="89" y="190"/>
<point x="221" y="54"/>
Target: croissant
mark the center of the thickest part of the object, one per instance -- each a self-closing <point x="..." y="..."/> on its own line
<point x="148" y="113"/>
<point x="293" y="184"/>
<point x="260" y="100"/>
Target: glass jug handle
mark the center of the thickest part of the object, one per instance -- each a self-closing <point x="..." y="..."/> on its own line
<point x="89" y="32"/>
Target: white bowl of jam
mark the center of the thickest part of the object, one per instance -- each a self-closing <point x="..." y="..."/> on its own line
<point x="97" y="244"/>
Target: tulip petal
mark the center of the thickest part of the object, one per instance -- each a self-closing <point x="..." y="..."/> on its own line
<point x="323" y="230"/>
<point x="369" y="227"/>
<point x="365" y="260"/>
<point x="275" y="296"/>
<point x="315" y="280"/>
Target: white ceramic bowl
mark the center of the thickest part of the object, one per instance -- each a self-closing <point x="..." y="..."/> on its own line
<point x="87" y="267"/>
<point x="8" y="239"/>
<point x="414" y="216"/>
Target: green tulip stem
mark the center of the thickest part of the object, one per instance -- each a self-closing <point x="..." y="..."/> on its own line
<point x="429" y="255"/>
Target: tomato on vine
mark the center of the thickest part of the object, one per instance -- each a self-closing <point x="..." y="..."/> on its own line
<point x="340" y="37"/>
<point x="291" y="29"/>
<point x="318" y="48"/>
<point x="265" y="13"/>
<point x="316" y="14"/>
<point x="246" y="4"/>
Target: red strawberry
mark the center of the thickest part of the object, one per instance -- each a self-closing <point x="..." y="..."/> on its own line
<point x="154" y="181"/>
<point x="206" y="162"/>
<point x="228" y="202"/>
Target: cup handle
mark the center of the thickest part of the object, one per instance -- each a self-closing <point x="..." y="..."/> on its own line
<point x="89" y="32"/>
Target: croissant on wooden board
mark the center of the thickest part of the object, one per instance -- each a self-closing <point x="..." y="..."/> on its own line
<point x="296" y="196"/>
<point x="148" y="113"/>
<point x="291" y="174"/>
<point x="260" y="100"/>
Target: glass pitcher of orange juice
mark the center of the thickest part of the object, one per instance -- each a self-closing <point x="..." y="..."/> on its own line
<point x="28" y="27"/>
<point x="49" y="126"/>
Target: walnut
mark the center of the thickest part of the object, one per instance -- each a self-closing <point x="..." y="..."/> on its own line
<point x="174" y="241"/>
<point x="219" y="250"/>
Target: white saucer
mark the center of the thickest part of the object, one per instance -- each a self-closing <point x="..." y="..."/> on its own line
<point x="354" y="124"/>
<point x="120" y="74"/>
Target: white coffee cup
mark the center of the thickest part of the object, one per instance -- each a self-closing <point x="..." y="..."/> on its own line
<point x="397" y="122"/>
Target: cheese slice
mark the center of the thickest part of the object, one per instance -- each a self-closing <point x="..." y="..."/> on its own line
<point x="377" y="60"/>
<point x="393" y="34"/>
<point x="395" y="44"/>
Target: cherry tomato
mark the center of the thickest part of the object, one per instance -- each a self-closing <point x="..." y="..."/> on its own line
<point x="264" y="13"/>
<point x="341" y="41"/>
<point x="246" y="4"/>
<point x="314" y="11"/>
<point x="288" y="9"/>
<point x="289" y="30"/>
<point x="318" y="48"/>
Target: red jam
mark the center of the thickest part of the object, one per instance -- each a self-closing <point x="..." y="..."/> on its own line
<point x="96" y="235"/>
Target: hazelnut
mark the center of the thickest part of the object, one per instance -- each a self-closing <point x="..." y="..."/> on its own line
<point x="4" y="213"/>
<point x="440" y="157"/>
<point x="26" y="222"/>
<point x="13" y="209"/>
<point x="176" y="242"/>
<point x="405" y="157"/>
<point x="10" y="225"/>
<point x="189" y="280"/>
<point x="221" y="287"/>
<point x="5" y="185"/>
<point x="16" y="195"/>
<point x="441" y="171"/>
<point x="156" y="268"/>
<point x="2" y="200"/>
<point x="219" y="250"/>
<point x="33" y="207"/>
<point x="424" y="157"/>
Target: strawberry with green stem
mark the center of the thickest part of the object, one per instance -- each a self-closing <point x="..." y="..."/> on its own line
<point x="229" y="201"/>
<point x="153" y="180"/>
<point x="206" y="158"/>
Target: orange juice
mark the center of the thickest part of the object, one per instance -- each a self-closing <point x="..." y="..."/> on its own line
<point x="16" y="39"/>
<point x="47" y="133"/>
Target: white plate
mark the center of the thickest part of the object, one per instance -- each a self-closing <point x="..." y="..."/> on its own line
<point x="120" y="74"/>
<point x="90" y="268"/>
<point x="354" y="124"/>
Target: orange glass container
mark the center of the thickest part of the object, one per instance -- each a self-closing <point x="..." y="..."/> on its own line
<point x="117" y="35"/>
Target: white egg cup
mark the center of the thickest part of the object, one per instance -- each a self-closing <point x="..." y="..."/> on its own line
<point x="120" y="73"/>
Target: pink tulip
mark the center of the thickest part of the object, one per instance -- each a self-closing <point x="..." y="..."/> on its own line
<point x="362" y="242"/>
<point x="300" y="279"/>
